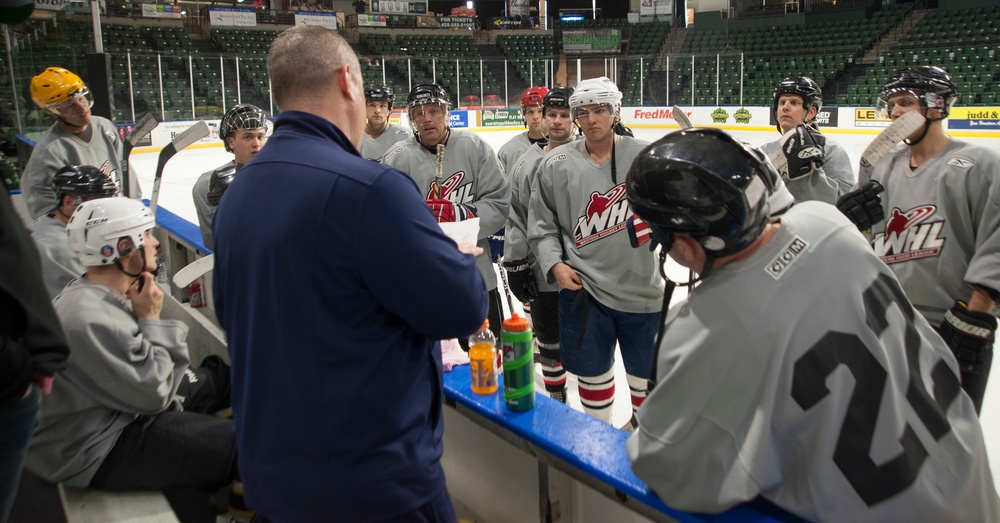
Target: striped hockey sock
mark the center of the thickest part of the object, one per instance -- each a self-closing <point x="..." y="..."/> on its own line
<point x="553" y="373"/>
<point x="637" y="388"/>
<point x="597" y="393"/>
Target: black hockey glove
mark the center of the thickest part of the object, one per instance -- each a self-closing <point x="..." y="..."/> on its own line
<point x="969" y="335"/>
<point x="522" y="280"/>
<point x="863" y="206"/>
<point x="804" y="151"/>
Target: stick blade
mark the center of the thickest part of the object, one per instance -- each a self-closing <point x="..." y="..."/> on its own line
<point x="883" y="143"/>
<point x="194" y="270"/>
<point x="145" y="126"/>
<point x="682" y="118"/>
<point x="190" y="135"/>
<point x="778" y="159"/>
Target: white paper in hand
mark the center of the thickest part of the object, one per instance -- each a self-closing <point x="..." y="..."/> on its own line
<point x="465" y="231"/>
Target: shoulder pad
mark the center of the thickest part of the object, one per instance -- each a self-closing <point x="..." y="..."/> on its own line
<point x="219" y="182"/>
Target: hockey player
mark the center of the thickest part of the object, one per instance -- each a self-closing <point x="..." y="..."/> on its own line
<point x="243" y="131"/>
<point x="72" y="185"/>
<point x="114" y="419"/>
<point x="845" y="408"/>
<point x="472" y="184"/>
<point x="380" y="135"/>
<point x="526" y="277"/>
<point x="576" y="228"/>
<point x="818" y="169"/>
<point x="938" y="223"/>
<point x="76" y="138"/>
<point x="532" y="114"/>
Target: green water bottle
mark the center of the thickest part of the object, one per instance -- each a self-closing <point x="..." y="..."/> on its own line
<point x="518" y="364"/>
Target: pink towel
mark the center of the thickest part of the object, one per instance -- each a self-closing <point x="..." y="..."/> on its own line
<point x="452" y="354"/>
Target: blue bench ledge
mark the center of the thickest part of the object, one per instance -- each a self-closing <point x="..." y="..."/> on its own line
<point x="589" y="445"/>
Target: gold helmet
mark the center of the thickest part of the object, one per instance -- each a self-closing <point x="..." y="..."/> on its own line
<point x="55" y="86"/>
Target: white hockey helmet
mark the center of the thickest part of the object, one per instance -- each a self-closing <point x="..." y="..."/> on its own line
<point x="97" y="225"/>
<point x="593" y="91"/>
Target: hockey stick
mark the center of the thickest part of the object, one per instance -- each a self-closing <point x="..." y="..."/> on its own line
<point x="682" y="118"/>
<point x="189" y="136"/>
<point x="438" y="171"/>
<point x="194" y="270"/>
<point x="506" y="285"/>
<point x="141" y="130"/>
<point x="883" y="143"/>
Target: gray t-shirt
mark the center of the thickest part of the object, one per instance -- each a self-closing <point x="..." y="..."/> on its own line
<point x="60" y="263"/>
<point x="58" y="148"/>
<point x="842" y="408"/>
<point x="118" y="369"/>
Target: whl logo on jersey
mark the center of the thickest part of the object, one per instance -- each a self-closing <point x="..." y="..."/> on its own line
<point x="606" y="214"/>
<point x="909" y="235"/>
<point x="452" y="189"/>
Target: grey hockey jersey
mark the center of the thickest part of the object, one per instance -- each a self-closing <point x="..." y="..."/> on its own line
<point x="472" y="177"/>
<point x="375" y="148"/>
<point x="60" y="264"/>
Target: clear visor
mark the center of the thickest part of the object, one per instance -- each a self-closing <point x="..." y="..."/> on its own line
<point x="587" y="111"/>
<point x="426" y="111"/>
<point x="888" y="99"/>
<point x="74" y="105"/>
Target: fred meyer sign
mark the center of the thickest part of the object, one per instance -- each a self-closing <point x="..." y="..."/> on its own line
<point x="502" y="118"/>
<point x="581" y="41"/>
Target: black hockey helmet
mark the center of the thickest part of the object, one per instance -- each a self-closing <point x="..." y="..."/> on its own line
<point x="803" y="86"/>
<point x="82" y="181"/>
<point x="239" y="117"/>
<point x="557" y="97"/>
<point x="931" y="84"/>
<point x="704" y="183"/>
<point x="426" y="94"/>
<point x="379" y="93"/>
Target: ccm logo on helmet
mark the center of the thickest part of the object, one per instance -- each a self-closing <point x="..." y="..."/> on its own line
<point x="91" y="223"/>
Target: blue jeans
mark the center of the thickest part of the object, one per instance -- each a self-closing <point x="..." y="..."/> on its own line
<point x="589" y="330"/>
<point x="18" y="422"/>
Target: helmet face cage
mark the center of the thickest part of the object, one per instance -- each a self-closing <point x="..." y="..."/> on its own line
<point x="55" y="86"/>
<point x="802" y="86"/>
<point x="379" y="93"/>
<point x="240" y="117"/>
<point x="428" y="94"/>
<point x="80" y="182"/>
<point x="702" y="183"/>
<point x="931" y="85"/>
<point x="106" y="230"/>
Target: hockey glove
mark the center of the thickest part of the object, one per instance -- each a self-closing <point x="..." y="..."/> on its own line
<point x="522" y="280"/>
<point x="804" y="151"/>
<point x="639" y="233"/>
<point x="863" y="206"/>
<point x="445" y="211"/>
<point x="969" y="335"/>
<point x="496" y="241"/>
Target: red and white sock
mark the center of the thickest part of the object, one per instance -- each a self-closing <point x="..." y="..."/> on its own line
<point x="553" y="373"/>
<point x="637" y="388"/>
<point x="597" y="393"/>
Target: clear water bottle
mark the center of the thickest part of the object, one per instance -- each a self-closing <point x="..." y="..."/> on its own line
<point x="161" y="270"/>
<point x="482" y="360"/>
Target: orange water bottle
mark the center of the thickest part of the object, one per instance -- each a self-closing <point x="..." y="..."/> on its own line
<point x="482" y="360"/>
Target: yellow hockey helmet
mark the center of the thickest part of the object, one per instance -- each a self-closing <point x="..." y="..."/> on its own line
<point x="53" y="86"/>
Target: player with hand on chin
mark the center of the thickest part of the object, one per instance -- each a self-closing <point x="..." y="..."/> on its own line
<point x="845" y="408"/>
<point x="472" y="183"/>
<point x="937" y="225"/>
